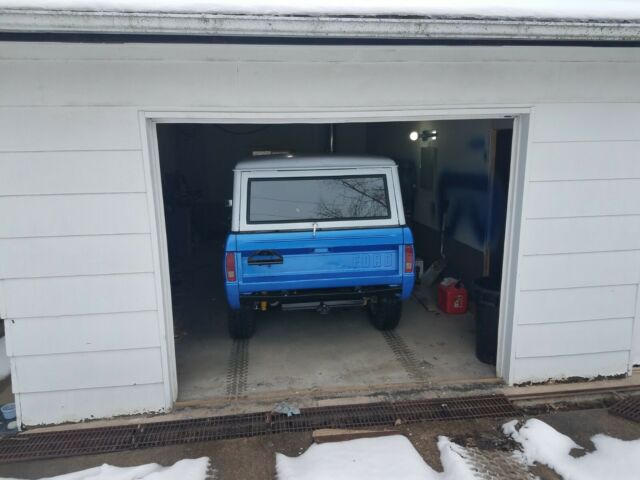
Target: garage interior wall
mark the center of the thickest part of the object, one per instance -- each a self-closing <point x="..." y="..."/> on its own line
<point x="458" y="183"/>
<point x="80" y="281"/>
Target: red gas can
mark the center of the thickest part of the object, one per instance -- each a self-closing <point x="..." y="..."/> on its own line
<point x="452" y="296"/>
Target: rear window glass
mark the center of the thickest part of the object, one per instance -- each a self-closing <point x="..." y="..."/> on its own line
<point x="314" y="199"/>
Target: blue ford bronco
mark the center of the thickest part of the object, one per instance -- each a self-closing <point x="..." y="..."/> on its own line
<point x="316" y="233"/>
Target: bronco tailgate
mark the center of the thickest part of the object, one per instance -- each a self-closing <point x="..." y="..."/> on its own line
<point x="276" y="261"/>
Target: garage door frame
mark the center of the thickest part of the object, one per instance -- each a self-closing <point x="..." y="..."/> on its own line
<point x="149" y="119"/>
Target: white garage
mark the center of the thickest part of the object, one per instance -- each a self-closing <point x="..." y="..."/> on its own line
<point x="94" y="106"/>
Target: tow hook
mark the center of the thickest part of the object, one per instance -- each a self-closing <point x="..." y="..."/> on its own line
<point x="323" y="309"/>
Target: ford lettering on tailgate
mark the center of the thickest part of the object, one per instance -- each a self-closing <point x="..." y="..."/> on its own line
<point x="373" y="260"/>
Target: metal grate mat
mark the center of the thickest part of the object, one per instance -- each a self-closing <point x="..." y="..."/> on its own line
<point x="628" y="408"/>
<point x="30" y="446"/>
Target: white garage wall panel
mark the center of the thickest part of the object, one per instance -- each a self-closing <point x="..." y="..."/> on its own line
<point x="77" y="405"/>
<point x="571" y="270"/>
<point x="61" y="215"/>
<point x="566" y="366"/>
<point x="69" y="129"/>
<point x="91" y="255"/>
<point x="577" y="308"/>
<point x="79" y="295"/>
<point x="79" y="279"/>
<point x="91" y="333"/>
<point x="581" y="234"/>
<point x="585" y="160"/>
<point x="45" y="373"/>
<point x="262" y="76"/>
<point x="583" y="198"/>
<point x="558" y="305"/>
<point x="552" y="340"/>
<point x="115" y="171"/>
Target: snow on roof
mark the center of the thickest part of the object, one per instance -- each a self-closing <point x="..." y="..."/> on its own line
<point x="603" y="10"/>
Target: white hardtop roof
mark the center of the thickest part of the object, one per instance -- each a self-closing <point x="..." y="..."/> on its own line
<point x="324" y="162"/>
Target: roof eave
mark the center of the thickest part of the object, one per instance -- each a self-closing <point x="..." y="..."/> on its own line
<point x="338" y="27"/>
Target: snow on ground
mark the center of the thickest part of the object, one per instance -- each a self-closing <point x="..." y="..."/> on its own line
<point x="190" y="469"/>
<point x="567" y="9"/>
<point x="380" y="458"/>
<point x="395" y="457"/>
<point x="611" y="459"/>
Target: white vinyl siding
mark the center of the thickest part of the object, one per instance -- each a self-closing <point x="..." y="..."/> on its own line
<point x="113" y="171"/>
<point x="91" y="255"/>
<point x="582" y="234"/>
<point x="571" y="270"/>
<point x="77" y="405"/>
<point x="111" y="79"/>
<point x="572" y="366"/>
<point x="585" y="160"/>
<point x="45" y="373"/>
<point x="79" y="278"/>
<point x="67" y="129"/>
<point x="78" y="295"/>
<point x="91" y="333"/>
<point x="574" y="338"/>
<point x="560" y="305"/>
<point x="78" y="282"/>
<point x="583" y="198"/>
<point x="580" y="255"/>
<point x="63" y="215"/>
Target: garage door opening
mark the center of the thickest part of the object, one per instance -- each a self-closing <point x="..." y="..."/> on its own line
<point x="454" y="178"/>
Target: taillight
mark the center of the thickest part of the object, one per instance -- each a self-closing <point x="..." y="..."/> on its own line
<point x="408" y="258"/>
<point x="230" y="266"/>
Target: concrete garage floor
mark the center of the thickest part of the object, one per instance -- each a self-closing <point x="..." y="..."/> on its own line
<point x="304" y="350"/>
<point x="254" y="458"/>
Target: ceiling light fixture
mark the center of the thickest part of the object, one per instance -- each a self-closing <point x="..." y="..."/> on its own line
<point x="425" y="135"/>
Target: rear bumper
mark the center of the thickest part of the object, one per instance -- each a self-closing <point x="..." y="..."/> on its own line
<point x="329" y="294"/>
<point x="235" y="297"/>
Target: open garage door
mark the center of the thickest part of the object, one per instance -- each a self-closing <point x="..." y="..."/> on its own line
<point x="454" y="178"/>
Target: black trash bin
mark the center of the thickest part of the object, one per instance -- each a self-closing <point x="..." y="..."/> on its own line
<point x="486" y="293"/>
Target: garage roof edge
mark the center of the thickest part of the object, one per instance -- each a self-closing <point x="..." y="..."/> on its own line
<point x="321" y="27"/>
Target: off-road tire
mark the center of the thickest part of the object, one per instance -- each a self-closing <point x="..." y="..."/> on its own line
<point x="241" y="323"/>
<point x="385" y="313"/>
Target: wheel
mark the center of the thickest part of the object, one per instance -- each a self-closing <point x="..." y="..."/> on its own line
<point x="241" y="323"/>
<point x="385" y="312"/>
